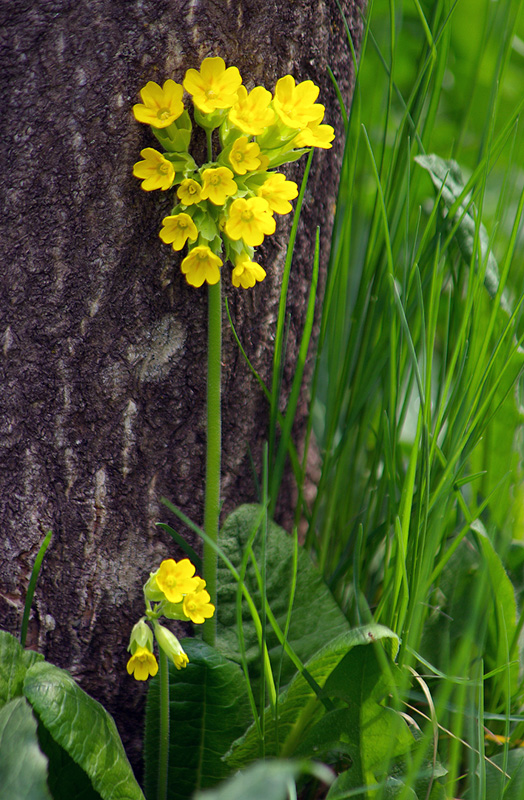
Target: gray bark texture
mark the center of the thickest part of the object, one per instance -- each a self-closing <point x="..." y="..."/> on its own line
<point x="103" y="359"/>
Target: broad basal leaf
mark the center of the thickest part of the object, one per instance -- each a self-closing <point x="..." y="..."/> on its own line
<point x="83" y="728"/>
<point x="316" y="618"/>
<point x="23" y="766"/>
<point x="208" y="711"/>
<point x="14" y="662"/>
<point x="299" y="708"/>
<point x="268" y="780"/>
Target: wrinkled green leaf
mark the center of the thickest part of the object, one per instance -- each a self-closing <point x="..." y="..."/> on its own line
<point x="446" y="175"/>
<point x="268" y="780"/>
<point x="65" y="779"/>
<point x="208" y="711"/>
<point x="497" y="785"/>
<point x="14" y="662"/>
<point x="83" y="728"/>
<point x="316" y="618"/>
<point x="299" y="708"/>
<point x="23" y="766"/>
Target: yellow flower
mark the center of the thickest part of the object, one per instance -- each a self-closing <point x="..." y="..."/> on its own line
<point x="278" y="191"/>
<point x="197" y="606"/>
<point x="177" y="230"/>
<point x="189" y="192"/>
<point x="249" y="220"/>
<point x="155" y="171"/>
<point x="176" y="579"/>
<point x="315" y="134"/>
<point x="142" y="664"/>
<point x="295" y="105"/>
<point x="218" y="185"/>
<point x="200" y="265"/>
<point x="214" y="86"/>
<point x="246" y="274"/>
<point x="171" y="646"/>
<point x="251" y="112"/>
<point x="161" y="106"/>
<point x="244" y="155"/>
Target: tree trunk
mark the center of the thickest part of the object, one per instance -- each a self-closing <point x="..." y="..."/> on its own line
<point x="102" y="405"/>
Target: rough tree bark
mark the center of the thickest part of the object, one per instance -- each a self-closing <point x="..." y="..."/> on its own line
<point x="102" y="393"/>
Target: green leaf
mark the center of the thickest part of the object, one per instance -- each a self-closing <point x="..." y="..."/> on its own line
<point x="372" y="734"/>
<point x="65" y="778"/>
<point x="83" y="728"/>
<point x="14" y="662"/>
<point x="267" y="780"/>
<point x="446" y="175"/>
<point x="497" y="785"/>
<point x="23" y="766"/>
<point x="308" y="632"/>
<point x="208" y="710"/>
<point x="299" y="708"/>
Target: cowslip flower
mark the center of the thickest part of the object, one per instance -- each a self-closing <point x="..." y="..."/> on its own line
<point x="189" y="192"/>
<point x="155" y="171"/>
<point x="315" y="134"/>
<point x="142" y="664"/>
<point x="200" y="265"/>
<point x="171" y="646"/>
<point x="218" y="184"/>
<point x="160" y="106"/>
<point x="214" y="86"/>
<point x="175" y="579"/>
<point x="245" y="274"/>
<point x="250" y="220"/>
<point x="295" y="104"/>
<point x="251" y="112"/>
<point x="244" y="156"/>
<point x="278" y="192"/>
<point x="197" y="605"/>
<point x="177" y="230"/>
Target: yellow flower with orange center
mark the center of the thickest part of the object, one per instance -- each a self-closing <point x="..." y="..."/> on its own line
<point x="218" y="185"/>
<point x="160" y="106"/>
<point x="250" y="220"/>
<point x="251" y="112"/>
<point x="175" y="579"/>
<point x="200" y="265"/>
<point x="197" y="606"/>
<point x="177" y="230"/>
<point x="213" y="86"/>
<point x="142" y="664"/>
<point x="155" y="171"/>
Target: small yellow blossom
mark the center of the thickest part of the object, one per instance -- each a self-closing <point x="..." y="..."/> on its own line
<point x="244" y="155"/>
<point x="142" y="664"/>
<point x="176" y="579"/>
<point x="246" y="274"/>
<point x="278" y="192"/>
<point x="197" y="606"/>
<point x="295" y="105"/>
<point x="200" y="265"/>
<point x="315" y="134"/>
<point x="189" y="192"/>
<point x="250" y="220"/>
<point x="171" y="646"/>
<point x="177" y="230"/>
<point x="160" y="106"/>
<point x="214" y="86"/>
<point x="251" y="112"/>
<point x="218" y="184"/>
<point x="155" y="171"/>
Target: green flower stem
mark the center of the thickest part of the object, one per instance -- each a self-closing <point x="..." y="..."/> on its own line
<point x="213" y="454"/>
<point x="163" y="750"/>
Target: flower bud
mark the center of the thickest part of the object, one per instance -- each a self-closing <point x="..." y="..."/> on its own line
<point x="171" y="646"/>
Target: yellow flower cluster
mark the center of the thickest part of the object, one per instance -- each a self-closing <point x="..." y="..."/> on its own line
<point x="226" y="206"/>
<point x="174" y="592"/>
